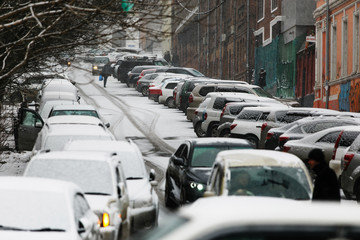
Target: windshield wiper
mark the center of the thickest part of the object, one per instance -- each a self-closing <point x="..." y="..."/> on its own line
<point x="11" y="228"/>
<point x="47" y="229"/>
<point x="97" y="193"/>
<point x="133" y="178"/>
<point x="284" y="183"/>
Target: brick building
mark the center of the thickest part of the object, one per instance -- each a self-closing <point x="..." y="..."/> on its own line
<point x="337" y="78"/>
<point x="215" y="37"/>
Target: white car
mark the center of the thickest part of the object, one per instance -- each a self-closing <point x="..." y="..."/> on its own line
<point x="144" y="202"/>
<point x="100" y="176"/>
<point x="166" y="97"/>
<point x="58" y="130"/>
<point x="50" y="104"/>
<point x="259" y="173"/>
<point x="36" y="208"/>
<point x="246" y="217"/>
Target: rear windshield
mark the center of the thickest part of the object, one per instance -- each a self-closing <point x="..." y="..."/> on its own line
<point x="205" y="90"/>
<point x="348" y="137"/>
<point x="220" y="102"/>
<point x="249" y="115"/>
<point x="285" y="117"/>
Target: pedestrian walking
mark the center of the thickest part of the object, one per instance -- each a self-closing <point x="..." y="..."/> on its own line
<point x="326" y="186"/>
<point x="106" y="72"/>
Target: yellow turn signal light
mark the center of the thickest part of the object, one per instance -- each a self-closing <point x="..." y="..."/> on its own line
<point x="105" y="220"/>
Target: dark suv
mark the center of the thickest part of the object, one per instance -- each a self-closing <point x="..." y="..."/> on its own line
<point x="190" y="166"/>
<point x="124" y="66"/>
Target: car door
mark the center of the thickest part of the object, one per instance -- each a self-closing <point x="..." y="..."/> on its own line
<point x="25" y="132"/>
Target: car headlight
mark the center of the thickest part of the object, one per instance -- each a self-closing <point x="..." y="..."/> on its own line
<point x="198" y="186"/>
<point x="95" y="67"/>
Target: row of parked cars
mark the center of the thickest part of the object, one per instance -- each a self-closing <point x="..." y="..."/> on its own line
<point x="112" y="192"/>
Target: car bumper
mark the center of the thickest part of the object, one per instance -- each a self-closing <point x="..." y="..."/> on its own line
<point x="143" y="218"/>
<point x="190" y="113"/>
<point x="154" y="97"/>
<point x="108" y="233"/>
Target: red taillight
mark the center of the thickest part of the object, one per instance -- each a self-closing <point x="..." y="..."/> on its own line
<point x="191" y="98"/>
<point x="263" y="126"/>
<point x="347" y="160"/>
<point x="337" y="144"/>
<point x="160" y="92"/>
<point x="155" y="91"/>
<point x="196" y="112"/>
<point x="137" y="83"/>
<point x="283" y="138"/>
<point x="222" y="112"/>
<point x="205" y="116"/>
<point x="269" y="135"/>
<point x="232" y="126"/>
<point x="286" y="148"/>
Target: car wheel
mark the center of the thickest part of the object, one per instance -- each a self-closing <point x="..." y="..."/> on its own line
<point x="170" y="102"/>
<point x="254" y="141"/>
<point x="213" y="130"/>
<point x="225" y="133"/>
<point x="145" y="91"/>
<point x="199" y="132"/>
<point x="169" y="203"/>
<point x="347" y="195"/>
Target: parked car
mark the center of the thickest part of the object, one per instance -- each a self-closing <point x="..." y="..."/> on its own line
<point x="58" y="85"/>
<point x="58" y="130"/>
<point x="342" y="144"/>
<point x="142" y="85"/>
<point x="201" y="90"/>
<point x="144" y="202"/>
<point x="199" y="118"/>
<point x="217" y="103"/>
<point x="314" y="125"/>
<point x="189" y="168"/>
<point x="100" y="176"/>
<point x="324" y="140"/>
<point x="166" y="95"/>
<point x="259" y="173"/>
<point x="98" y="64"/>
<point x="36" y="208"/>
<point x="229" y="113"/>
<point x="244" y="217"/>
<point x="155" y="87"/>
<point x="123" y="66"/>
<point x="350" y="171"/>
<point x="82" y="109"/>
<point x="247" y="124"/>
<point x="46" y="108"/>
<point x="181" y="70"/>
<point x="134" y="74"/>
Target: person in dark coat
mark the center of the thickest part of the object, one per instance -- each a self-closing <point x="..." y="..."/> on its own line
<point x="106" y="72"/>
<point x="326" y="186"/>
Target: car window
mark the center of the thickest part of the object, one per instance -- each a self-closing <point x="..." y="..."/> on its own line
<point x="264" y="116"/>
<point x="285" y="117"/>
<point x="29" y="119"/>
<point x="81" y="207"/>
<point x="205" y="90"/>
<point x="313" y="128"/>
<point x="92" y="113"/>
<point x="170" y="85"/>
<point x="347" y="138"/>
<point x="249" y="115"/>
<point x="330" y="137"/>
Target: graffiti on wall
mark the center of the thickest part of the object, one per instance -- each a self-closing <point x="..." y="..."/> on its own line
<point x="349" y="97"/>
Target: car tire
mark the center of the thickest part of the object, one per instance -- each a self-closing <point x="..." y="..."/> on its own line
<point x="254" y="141"/>
<point x="169" y="203"/>
<point x="347" y="195"/>
<point x="145" y="91"/>
<point x="225" y="133"/>
<point x="170" y="102"/>
<point x="198" y="131"/>
<point x="212" y="131"/>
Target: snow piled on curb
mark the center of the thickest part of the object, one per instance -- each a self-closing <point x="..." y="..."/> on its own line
<point x="13" y="164"/>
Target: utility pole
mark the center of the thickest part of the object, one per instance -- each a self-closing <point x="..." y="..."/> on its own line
<point x="247" y="39"/>
<point x="327" y="56"/>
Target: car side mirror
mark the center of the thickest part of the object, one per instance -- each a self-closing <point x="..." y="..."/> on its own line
<point x="107" y="125"/>
<point x="152" y="175"/>
<point x="178" y="161"/>
<point x="38" y="125"/>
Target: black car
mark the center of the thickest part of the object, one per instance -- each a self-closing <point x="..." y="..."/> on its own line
<point x="190" y="166"/>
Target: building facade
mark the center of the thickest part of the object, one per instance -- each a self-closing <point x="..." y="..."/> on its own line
<point x="215" y="37"/>
<point x="281" y="30"/>
<point x="337" y="79"/>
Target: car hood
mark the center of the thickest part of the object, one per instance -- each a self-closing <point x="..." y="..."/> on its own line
<point x="98" y="202"/>
<point x="16" y="235"/>
<point x="199" y="175"/>
<point x="138" y="188"/>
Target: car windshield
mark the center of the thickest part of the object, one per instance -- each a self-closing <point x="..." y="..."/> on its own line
<point x="75" y="112"/>
<point x="272" y="181"/>
<point x="91" y="176"/>
<point x="196" y="73"/>
<point x="262" y="93"/>
<point x="57" y="143"/>
<point x="34" y="210"/>
<point x="204" y="156"/>
<point x="132" y="166"/>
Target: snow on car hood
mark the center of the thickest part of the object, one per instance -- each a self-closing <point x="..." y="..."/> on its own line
<point x="98" y="202"/>
<point x="138" y="188"/>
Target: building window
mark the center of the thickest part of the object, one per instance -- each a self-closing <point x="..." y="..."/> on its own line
<point x="274" y="5"/>
<point x="356" y="43"/>
<point x="333" y="52"/>
<point x="260" y="9"/>
<point x="344" y="46"/>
